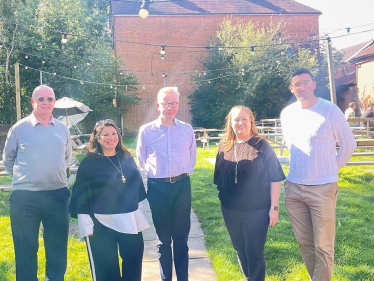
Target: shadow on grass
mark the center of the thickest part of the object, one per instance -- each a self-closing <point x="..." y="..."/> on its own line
<point x="4" y="204"/>
<point x="7" y="271"/>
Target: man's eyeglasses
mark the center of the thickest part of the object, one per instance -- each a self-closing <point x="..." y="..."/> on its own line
<point x="166" y="104"/>
<point x="41" y="99"/>
<point x="300" y="84"/>
<point x="98" y="123"/>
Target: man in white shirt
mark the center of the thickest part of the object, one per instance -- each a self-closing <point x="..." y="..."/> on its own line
<point x="350" y="113"/>
<point x="311" y="127"/>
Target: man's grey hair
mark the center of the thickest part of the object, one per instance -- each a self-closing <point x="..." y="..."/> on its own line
<point x="167" y="91"/>
<point x="39" y="87"/>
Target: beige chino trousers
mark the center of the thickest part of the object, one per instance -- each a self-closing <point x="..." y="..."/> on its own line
<point x="311" y="209"/>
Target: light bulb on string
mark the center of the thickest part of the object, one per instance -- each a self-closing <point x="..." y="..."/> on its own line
<point x="204" y="73"/>
<point x="143" y="87"/>
<point x="243" y="72"/>
<point x="162" y="57"/>
<point x="26" y="56"/>
<point x="111" y="86"/>
<point x="162" y="52"/>
<point x="81" y="82"/>
<point x="26" y="67"/>
<point x="64" y="38"/>
<point x="252" y="50"/>
<point x="143" y="13"/>
<point x="43" y="61"/>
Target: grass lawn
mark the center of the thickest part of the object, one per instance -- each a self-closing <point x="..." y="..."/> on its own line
<point x="354" y="239"/>
<point x="354" y="230"/>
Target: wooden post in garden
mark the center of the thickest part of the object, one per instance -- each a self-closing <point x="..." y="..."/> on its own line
<point x="18" y="91"/>
<point x="330" y="67"/>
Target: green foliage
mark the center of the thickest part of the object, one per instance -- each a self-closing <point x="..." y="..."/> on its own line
<point x="264" y="85"/>
<point x="84" y="58"/>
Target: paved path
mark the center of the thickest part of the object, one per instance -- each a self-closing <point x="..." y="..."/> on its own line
<point x="200" y="268"/>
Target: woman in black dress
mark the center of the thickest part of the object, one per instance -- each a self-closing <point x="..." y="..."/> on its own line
<point x="107" y="199"/>
<point x="248" y="176"/>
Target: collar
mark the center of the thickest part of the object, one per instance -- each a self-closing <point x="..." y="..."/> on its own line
<point x="159" y="122"/>
<point x="35" y="121"/>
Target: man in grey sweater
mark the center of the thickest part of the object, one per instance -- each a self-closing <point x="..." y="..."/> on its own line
<point x="36" y="154"/>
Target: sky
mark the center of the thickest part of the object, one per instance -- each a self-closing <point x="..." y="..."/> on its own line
<point x="338" y="14"/>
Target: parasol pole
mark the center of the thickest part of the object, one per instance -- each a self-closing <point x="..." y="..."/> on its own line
<point x="67" y="122"/>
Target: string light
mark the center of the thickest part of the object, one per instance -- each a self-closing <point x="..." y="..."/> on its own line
<point x="43" y="61"/>
<point x="348" y="30"/>
<point x="143" y="13"/>
<point x="162" y="52"/>
<point x="26" y="67"/>
<point x="252" y="50"/>
<point x="111" y="86"/>
<point x="162" y="57"/>
<point x="243" y="72"/>
<point x="64" y="38"/>
<point x="26" y="56"/>
<point x="179" y="46"/>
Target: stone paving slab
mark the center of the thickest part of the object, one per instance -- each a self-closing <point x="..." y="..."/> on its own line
<point x="200" y="268"/>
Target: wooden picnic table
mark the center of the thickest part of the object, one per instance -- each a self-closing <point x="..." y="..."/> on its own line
<point x="362" y="130"/>
<point x="77" y="143"/>
<point x="272" y="120"/>
<point x="206" y="138"/>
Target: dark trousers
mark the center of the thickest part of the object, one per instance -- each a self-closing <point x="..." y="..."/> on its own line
<point x="248" y="232"/>
<point x="27" y="210"/>
<point x="171" y="210"/>
<point x="102" y="249"/>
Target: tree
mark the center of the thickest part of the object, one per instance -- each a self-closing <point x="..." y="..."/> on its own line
<point x="236" y="76"/>
<point x="37" y="44"/>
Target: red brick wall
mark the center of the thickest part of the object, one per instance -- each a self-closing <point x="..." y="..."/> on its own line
<point x="179" y="30"/>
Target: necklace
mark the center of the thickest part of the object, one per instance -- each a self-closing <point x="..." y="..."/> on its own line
<point x="237" y="161"/>
<point x="119" y="171"/>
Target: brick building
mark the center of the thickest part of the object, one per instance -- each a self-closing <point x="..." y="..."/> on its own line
<point x="358" y="65"/>
<point x="187" y="23"/>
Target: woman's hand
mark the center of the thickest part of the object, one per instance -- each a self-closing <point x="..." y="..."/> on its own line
<point x="274" y="217"/>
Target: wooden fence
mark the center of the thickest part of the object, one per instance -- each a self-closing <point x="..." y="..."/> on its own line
<point x="4" y="128"/>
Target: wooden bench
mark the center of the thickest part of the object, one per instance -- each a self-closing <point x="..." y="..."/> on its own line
<point x="77" y="143"/>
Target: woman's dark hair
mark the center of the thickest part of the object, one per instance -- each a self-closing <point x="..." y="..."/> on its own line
<point x="94" y="147"/>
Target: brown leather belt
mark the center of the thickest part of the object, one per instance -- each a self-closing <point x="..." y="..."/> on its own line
<point x="172" y="179"/>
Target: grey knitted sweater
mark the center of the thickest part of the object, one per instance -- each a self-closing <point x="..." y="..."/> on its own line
<point x="36" y="157"/>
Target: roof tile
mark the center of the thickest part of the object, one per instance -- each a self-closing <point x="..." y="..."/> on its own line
<point x="185" y="7"/>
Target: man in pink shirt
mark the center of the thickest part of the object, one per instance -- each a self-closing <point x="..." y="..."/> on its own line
<point x="166" y="152"/>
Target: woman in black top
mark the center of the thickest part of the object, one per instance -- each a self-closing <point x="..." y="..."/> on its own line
<point x="107" y="199"/>
<point x="247" y="175"/>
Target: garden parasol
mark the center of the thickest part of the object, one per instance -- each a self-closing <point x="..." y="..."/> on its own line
<point x="67" y="106"/>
